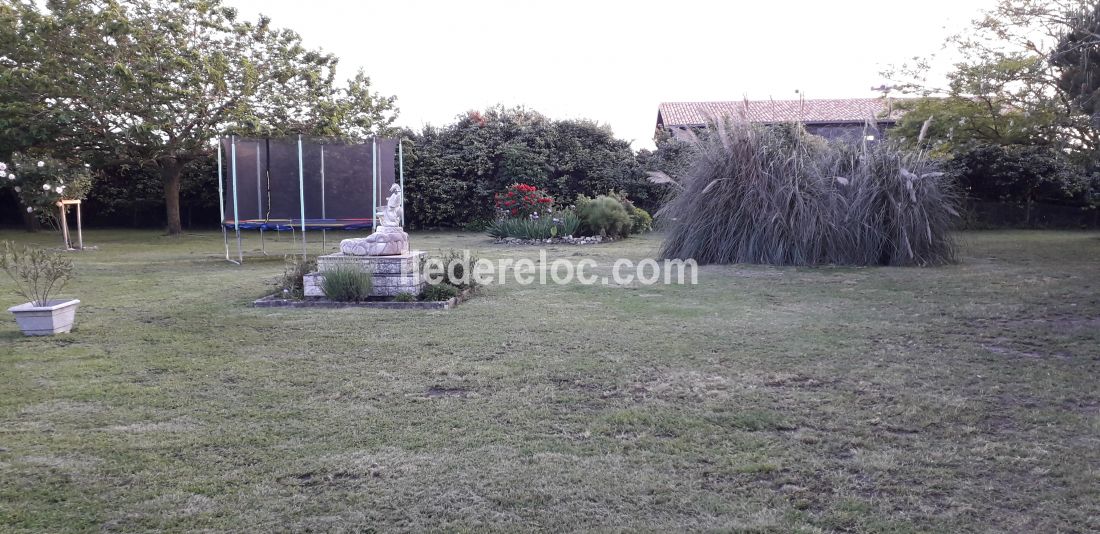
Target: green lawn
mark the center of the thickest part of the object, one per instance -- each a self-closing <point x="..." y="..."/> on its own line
<point x="964" y="398"/>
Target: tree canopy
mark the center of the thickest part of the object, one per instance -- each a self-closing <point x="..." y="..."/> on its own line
<point x="149" y="83"/>
<point x="1016" y="112"/>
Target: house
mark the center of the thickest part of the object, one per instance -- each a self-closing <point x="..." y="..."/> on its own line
<point x="844" y="118"/>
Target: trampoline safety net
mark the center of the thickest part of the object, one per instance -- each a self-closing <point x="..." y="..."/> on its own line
<point x="263" y="189"/>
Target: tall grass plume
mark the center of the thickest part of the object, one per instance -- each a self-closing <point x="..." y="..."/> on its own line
<point x="778" y="195"/>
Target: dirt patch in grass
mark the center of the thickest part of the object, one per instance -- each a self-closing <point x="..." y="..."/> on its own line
<point x="437" y="392"/>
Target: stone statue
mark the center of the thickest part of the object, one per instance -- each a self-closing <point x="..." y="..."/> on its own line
<point x="388" y="238"/>
<point x="393" y="212"/>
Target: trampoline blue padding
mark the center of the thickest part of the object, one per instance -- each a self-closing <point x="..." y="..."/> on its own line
<point x="297" y="224"/>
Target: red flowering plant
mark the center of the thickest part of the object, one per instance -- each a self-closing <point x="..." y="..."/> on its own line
<point x="523" y="201"/>
<point x="526" y="212"/>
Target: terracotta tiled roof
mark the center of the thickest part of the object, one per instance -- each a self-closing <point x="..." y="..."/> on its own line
<point x="773" y="111"/>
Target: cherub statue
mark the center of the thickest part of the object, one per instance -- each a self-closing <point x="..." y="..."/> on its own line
<point x="388" y="238"/>
<point x="393" y="212"/>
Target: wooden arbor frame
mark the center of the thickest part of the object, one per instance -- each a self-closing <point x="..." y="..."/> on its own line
<point x="63" y="205"/>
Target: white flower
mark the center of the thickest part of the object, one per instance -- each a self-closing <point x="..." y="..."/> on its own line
<point x="11" y="176"/>
<point x="46" y="187"/>
<point x="3" y="166"/>
<point x="59" y="189"/>
<point x="18" y="189"/>
<point x="30" y="209"/>
<point x="41" y="163"/>
<point x="87" y="166"/>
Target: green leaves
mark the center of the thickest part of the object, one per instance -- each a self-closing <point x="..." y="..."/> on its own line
<point x="37" y="273"/>
<point x="145" y="80"/>
<point x="453" y="172"/>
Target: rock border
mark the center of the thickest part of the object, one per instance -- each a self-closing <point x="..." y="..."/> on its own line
<point x="275" y="301"/>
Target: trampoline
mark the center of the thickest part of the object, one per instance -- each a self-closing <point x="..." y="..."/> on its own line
<point x="301" y="186"/>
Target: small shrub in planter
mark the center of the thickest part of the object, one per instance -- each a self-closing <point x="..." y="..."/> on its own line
<point x="346" y="284"/>
<point x="438" y="292"/>
<point x="404" y="297"/>
<point x="38" y="274"/>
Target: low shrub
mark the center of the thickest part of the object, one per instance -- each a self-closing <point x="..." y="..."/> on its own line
<point x="642" y="221"/>
<point x="604" y="216"/>
<point x="458" y="268"/>
<point x="404" y="297"/>
<point x="346" y="284"/>
<point x="639" y="218"/>
<point x="438" y="292"/>
<point x="291" y="285"/>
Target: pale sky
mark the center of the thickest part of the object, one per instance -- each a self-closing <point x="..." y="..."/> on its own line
<point x="614" y="61"/>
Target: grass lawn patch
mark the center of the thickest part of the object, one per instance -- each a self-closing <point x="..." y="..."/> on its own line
<point x="771" y="399"/>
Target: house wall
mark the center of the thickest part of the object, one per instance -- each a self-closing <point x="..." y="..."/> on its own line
<point x="852" y="133"/>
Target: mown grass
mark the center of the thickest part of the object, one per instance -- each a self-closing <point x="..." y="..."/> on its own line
<point x="961" y="398"/>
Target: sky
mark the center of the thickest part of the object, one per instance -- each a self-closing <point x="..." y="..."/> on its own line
<point x="614" y="61"/>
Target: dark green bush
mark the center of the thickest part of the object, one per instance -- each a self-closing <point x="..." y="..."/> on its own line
<point x="603" y="215"/>
<point x="404" y="297"/>
<point x="438" y="292"/>
<point x="453" y="171"/>
<point x="346" y="284"/>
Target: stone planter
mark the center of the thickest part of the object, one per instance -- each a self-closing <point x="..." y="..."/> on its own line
<point x="56" y="317"/>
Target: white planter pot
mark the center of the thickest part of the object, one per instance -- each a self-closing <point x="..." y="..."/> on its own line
<point x="56" y="317"/>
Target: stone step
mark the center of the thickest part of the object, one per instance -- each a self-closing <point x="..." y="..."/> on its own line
<point x="382" y="285"/>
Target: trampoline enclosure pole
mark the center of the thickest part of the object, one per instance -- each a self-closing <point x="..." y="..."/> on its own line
<point x="236" y="212"/>
<point x="401" y="174"/>
<point x="302" y="195"/>
<point x="221" y="201"/>
<point x="324" y="212"/>
<point x="260" y="199"/>
<point x="374" y="184"/>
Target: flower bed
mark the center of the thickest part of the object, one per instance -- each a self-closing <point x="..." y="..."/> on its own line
<point x="567" y="240"/>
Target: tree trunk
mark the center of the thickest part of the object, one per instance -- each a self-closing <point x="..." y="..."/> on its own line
<point x="170" y="170"/>
<point x="30" y="220"/>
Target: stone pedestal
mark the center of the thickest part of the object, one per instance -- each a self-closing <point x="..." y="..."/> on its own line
<point x="391" y="274"/>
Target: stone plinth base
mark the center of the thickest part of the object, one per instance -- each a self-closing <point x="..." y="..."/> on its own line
<point x="391" y="274"/>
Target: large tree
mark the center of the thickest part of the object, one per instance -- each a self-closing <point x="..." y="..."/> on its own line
<point x="1077" y="57"/>
<point x="1015" y="116"/>
<point x="1007" y="84"/>
<point x="153" y="82"/>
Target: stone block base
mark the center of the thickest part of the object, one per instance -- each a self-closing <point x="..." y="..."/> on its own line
<point x="391" y="275"/>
